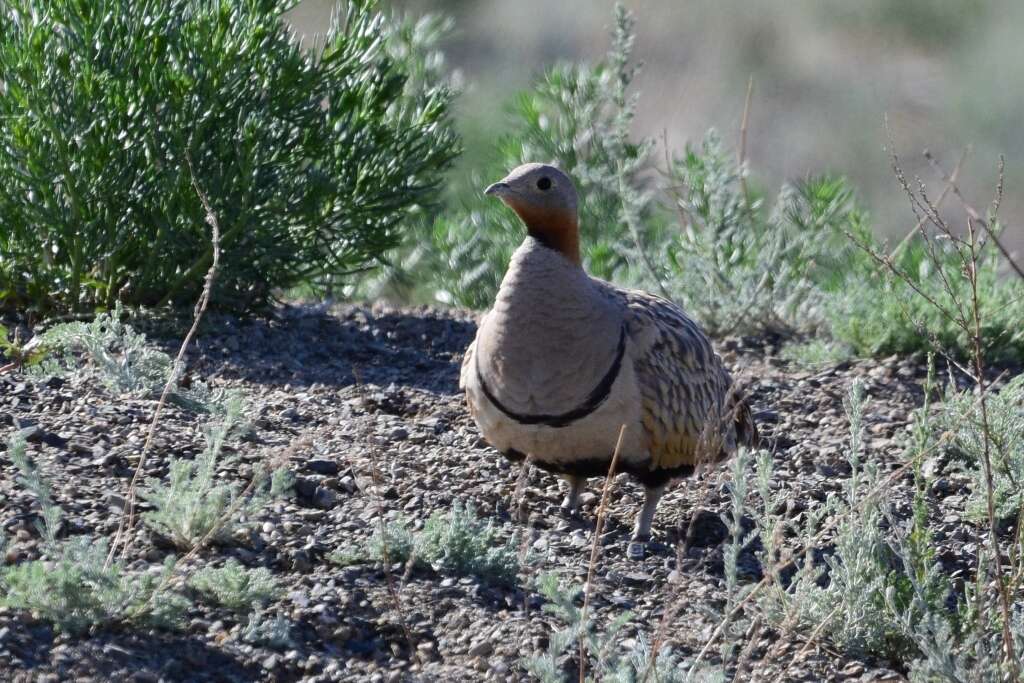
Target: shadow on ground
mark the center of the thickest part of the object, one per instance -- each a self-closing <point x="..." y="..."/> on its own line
<point x="303" y="345"/>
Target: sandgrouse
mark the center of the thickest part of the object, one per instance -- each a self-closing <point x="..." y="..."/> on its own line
<point x="563" y="360"/>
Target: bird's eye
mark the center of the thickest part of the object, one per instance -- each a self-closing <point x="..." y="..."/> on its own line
<point x="544" y="183"/>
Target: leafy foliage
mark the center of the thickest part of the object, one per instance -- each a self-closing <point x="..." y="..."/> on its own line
<point x="309" y="160"/>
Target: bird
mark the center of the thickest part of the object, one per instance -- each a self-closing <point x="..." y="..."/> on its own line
<point x="563" y="361"/>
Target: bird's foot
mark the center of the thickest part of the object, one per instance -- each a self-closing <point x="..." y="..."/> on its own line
<point x="637" y="547"/>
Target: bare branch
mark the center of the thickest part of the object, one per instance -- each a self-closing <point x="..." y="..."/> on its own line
<point x="942" y="197"/>
<point x="128" y="511"/>
<point x="741" y="155"/>
<point x="594" y="548"/>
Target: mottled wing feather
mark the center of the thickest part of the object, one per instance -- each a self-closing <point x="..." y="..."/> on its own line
<point x="464" y="374"/>
<point x="684" y="387"/>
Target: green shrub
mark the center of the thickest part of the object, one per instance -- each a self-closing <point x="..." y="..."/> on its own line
<point x="960" y="417"/>
<point x="881" y="315"/>
<point x="309" y="160"/>
<point x="740" y="268"/>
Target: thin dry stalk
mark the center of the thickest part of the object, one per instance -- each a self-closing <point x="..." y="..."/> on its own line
<point x="706" y="454"/>
<point x="950" y="184"/>
<point x="968" y="317"/>
<point x="127" y="520"/>
<point x="810" y="640"/>
<point x="973" y="213"/>
<point x="519" y="514"/>
<point x="675" y="605"/>
<point x="594" y="548"/>
<point x="741" y="154"/>
<point x="519" y="493"/>
<point x="743" y="661"/>
<point x="393" y="592"/>
<point x="257" y="478"/>
<point x="979" y="366"/>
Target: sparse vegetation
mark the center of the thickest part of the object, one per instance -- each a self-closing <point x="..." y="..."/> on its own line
<point x="235" y="587"/>
<point x="452" y="542"/>
<point x="192" y="505"/>
<point x="75" y="587"/>
<point x="610" y="661"/>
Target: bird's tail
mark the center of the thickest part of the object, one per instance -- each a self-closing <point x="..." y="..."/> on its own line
<point x="746" y="429"/>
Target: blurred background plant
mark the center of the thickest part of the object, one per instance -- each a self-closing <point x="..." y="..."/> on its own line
<point x="825" y="73"/>
<point x="693" y="222"/>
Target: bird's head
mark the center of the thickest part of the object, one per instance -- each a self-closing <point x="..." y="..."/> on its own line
<point x="545" y="199"/>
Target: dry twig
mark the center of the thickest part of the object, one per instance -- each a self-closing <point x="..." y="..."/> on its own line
<point x="594" y="548"/>
<point x="127" y="520"/>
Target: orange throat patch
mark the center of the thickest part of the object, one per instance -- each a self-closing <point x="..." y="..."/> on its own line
<point x="554" y="228"/>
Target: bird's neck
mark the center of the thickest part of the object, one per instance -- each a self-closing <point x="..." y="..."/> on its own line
<point x="556" y="229"/>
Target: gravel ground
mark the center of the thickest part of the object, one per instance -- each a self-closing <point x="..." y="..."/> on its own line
<point x="405" y="416"/>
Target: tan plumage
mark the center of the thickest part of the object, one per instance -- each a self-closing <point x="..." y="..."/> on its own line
<point x="563" y="360"/>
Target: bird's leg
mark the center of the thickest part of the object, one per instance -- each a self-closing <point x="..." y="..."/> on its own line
<point x="571" y="504"/>
<point x="644" y="518"/>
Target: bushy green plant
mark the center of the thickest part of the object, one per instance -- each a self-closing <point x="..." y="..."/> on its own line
<point x="235" y="587"/>
<point x="76" y="588"/>
<point x="815" y="353"/>
<point x="246" y="593"/>
<point x="458" y="542"/>
<point x="738" y="268"/>
<point x="267" y="629"/>
<point x="192" y="504"/>
<point x="309" y="159"/>
<point x="104" y="348"/>
<point x="880" y="314"/>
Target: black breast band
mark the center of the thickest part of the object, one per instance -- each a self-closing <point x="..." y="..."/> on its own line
<point x="589" y="405"/>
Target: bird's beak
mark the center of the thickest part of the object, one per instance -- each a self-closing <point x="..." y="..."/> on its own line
<point x="499" y="189"/>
